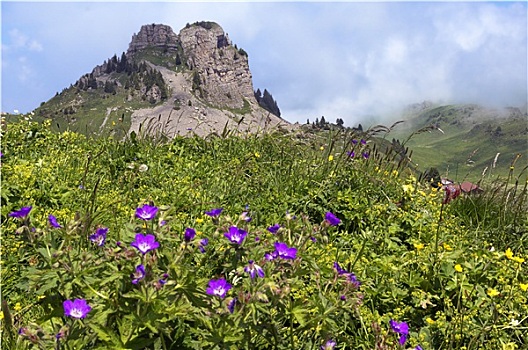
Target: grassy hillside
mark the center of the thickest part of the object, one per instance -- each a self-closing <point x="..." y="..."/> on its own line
<point x="322" y="240"/>
<point x="468" y="142"/>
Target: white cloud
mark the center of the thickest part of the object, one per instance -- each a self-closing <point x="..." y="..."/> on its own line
<point x="19" y="40"/>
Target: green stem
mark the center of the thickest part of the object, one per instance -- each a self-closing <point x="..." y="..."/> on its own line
<point x="292" y="340"/>
<point x="359" y="254"/>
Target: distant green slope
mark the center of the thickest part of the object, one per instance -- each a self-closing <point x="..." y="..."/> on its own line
<point x="472" y="136"/>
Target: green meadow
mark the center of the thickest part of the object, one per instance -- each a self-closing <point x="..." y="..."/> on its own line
<point x="322" y="242"/>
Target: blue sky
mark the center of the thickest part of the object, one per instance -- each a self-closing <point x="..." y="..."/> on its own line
<point x="349" y="60"/>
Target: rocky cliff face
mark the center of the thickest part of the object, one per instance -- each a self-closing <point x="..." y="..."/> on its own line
<point x="222" y="74"/>
<point x="154" y="36"/>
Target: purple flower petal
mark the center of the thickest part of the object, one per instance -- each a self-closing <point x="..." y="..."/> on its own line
<point x="271" y="256"/>
<point x="203" y="243"/>
<point x="329" y="345"/>
<point x="138" y="274"/>
<point x="274" y="228"/>
<point x="53" y="221"/>
<point x="77" y="308"/>
<point x="21" y="213"/>
<point x="214" y="212"/>
<point x="284" y="252"/>
<point x="146" y="212"/>
<point x="339" y="269"/>
<point x="245" y="216"/>
<point x="254" y="270"/>
<point x="145" y="243"/>
<point x="189" y="234"/>
<point x="218" y="287"/>
<point x="235" y="235"/>
<point x="99" y="237"/>
<point x="402" y="328"/>
<point x="331" y="219"/>
<point x="231" y="305"/>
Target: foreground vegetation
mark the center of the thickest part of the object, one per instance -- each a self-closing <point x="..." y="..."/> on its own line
<point x="274" y="241"/>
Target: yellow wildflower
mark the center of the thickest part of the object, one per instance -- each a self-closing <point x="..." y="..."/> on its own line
<point x="199" y="220"/>
<point x="257" y="155"/>
<point x="1" y="315"/>
<point x="321" y="148"/>
<point x="418" y="246"/>
<point x="408" y="188"/>
<point x="509" y="253"/>
<point x="330" y="158"/>
<point x="518" y="259"/>
<point x="17" y="307"/>
<point x="447" y="247"/>
<point x="458" y="268"/>
<point x="492" y="292"/>
<point x="430" y="320"/>
<point x="524" y="286"/>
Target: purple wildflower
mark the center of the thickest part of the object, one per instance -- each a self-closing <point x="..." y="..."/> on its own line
<point x="331" y="219"/>
<point x="354" y="141"/>
<point x="214" y="212"/>
<point x="76" y="309"/>
<point x="271" y="256"/>
<point x="340" y="271"/>
<point x="144" y="243"/>
<point x="402" y="328"/>
<point x="329" y="345"/>
<point x="235" y="235"/>
<point x="366" y="155"/>
<point x="351" y="154"/>
<point x="245" y="216"/>
<point x="231" y="305"/>
<point x="343" y="297"/>
<point x="284" y="252"/>
<point x="99" y="237"/>
<point x="349" y="275"/>
<point x="254" y="270"/>
<point x="53" y="221"/>
<point x="138" y="274"/>
<point x="203" y="243"/>
<point x="22" y="213"/>
<point x="218" y="287"/>
<point x="363" y="142"/>
<point x="146" y="212"/>
<point x="189" y="234"/>
<point x="418" y="347"/>
<point x="274" y="228"/>
<point x="353" y="280"/>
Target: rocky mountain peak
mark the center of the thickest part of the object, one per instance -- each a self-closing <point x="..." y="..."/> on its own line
<point x="154" y="36"/>
<point x="221" y="71"/>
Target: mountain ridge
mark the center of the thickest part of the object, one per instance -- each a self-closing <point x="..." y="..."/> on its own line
<point x="193" y="82"/>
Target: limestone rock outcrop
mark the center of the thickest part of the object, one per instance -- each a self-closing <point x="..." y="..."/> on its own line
<point x="154" y="36"/>
<point x="222" y="69"/>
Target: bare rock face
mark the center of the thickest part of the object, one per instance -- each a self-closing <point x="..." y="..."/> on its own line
<point x="156" y="36"/>
<point x="221" y="72"/>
